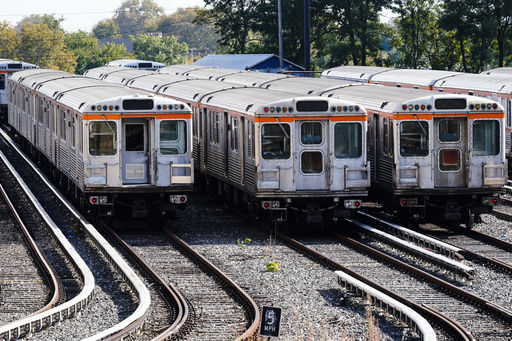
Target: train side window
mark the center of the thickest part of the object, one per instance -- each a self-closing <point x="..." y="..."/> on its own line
<point x="234" y="134"/>
<point x="102" y="138"/>
<point x="311" y="133"/>
<point x="275" y="141"/>
<point x="173" y="137"/>
<point x="414" y="138"/>
<point x="449" y="130"/>
<point x="486" y="137"/>
<point x="348" y="140"/>
<point x="386" y="136"/>
<point x="62" y="124"/>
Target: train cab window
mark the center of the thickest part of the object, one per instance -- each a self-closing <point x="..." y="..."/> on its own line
<point x="311" y="133"/>
<point x="414" y="138"/>
<point x="449" y="160"/>
<point x="449" y="130"/>
<point x="486" y="137"/>
<point x="275" y="141"/>
<point x="102" y="138"/>
<point x="134" y="137"/>
<point x="311" y="162"/>
<point x="173" y="137"/>
<point x="348" y="140"/>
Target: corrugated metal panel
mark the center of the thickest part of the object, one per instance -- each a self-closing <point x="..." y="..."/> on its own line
<point x="413" y="76"/>
<point x="478" y="82"/>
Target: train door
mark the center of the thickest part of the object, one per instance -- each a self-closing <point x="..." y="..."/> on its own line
<point x="311" y="155"/>
<point x="450" y="145"/>
<point x="135" y="146"/>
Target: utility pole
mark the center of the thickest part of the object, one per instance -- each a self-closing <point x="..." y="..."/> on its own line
<point x="280" y="24"/>
<point x="307" y="42"/>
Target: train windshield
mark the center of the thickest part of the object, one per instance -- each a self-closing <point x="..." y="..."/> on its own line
<point x="414" y="138"/>
<point x="102" y="138"/>
<point x="486" y="137"/>
<point x="348" y="140"/>
<point x="275" y="141"/>
<point x="173" y="137"/>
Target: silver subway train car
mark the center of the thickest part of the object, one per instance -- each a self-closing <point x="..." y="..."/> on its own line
<point x="120" y="153"/>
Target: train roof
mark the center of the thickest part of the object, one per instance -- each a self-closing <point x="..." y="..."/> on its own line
<point x="253" y="101"/>
<point x="498" y="71"/>
<point x="377" y="98"/>
<point x="354" y="73"/>
<point x="79" y="92"/>
<point x="413" y="76"/>
<point x="477" y="82"/>
<point x="193" y="89"/>
<point x="181" y="69"/>
<point x="210" y="73"/>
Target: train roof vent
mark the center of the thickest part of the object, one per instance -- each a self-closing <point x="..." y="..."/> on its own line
<point x="471" y="92"/>
<point x="248" y="107"/>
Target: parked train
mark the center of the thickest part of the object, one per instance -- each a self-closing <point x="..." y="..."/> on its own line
<point x="430" y="194"/>
<point x="494" y="84"/>
<point x="456" y="176"/>
<point x="121" y="153"/>
<point x="7" y="67"/>
<point x="294" y="159"/>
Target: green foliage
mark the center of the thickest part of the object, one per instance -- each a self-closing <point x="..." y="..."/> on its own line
<point x="135" y="17"/>
<point x="272" y="266"/>
<point x="165" y="50"/>
<point x="107" y="29"/>
<point x="46" y="48"/>
<point x="9" y="41"/>
<point x="243" y="243"/>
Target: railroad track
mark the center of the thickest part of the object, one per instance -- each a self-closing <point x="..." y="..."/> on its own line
<point x="210" y="305"/>
<point x="99" y="270"/>
<point x="28" y="282"/>
<point x="461" y="314"/>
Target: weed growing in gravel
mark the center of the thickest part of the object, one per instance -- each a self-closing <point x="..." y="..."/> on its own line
<point x="243" y="243"/>
<point x="272" y="266"/>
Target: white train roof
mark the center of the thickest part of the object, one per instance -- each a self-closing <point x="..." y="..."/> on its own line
<point x="354" y="73"/>
<point x="413" y="76"/>
<point x="181" y="69"/>
<point x="478" y="82"/>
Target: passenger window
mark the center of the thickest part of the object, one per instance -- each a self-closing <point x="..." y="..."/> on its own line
<point x="275" y="141"/>
<point x="311" y="162"/>
<point x="414" y="138"/>
<point x="134" y="138"/>
<point x="486" y="137"/>
<point x="173" y="137"/>
<point x="449" y="130"/>
<point x="102" y="138"/>
<point x="348" y="140"/>
<point x="2" y="81"/>
<point x="311" y="133"/>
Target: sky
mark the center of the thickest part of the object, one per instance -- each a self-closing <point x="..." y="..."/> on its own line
<point x="78" y="15"/>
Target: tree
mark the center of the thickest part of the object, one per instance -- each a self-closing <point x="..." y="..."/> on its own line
<point x="165" y="50"/>
<point x="181" y="24"/>
<point x="9" y="41"/>
<point x="46" y="48"/>
<point x="49" y="20"/>
<point x="232" y="21"/>
<point x="107" y="29"/>
<point x="136" y="17"/>
<point x="416" y="19"/>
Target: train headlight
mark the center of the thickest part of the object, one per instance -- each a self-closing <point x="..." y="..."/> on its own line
<point x="178" y="199"/>
<point x="352" y="204"/>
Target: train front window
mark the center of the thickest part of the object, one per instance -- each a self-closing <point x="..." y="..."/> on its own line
<point x="449" y="160"/>
<point x="311" y="162"/>
<point x="173" y="137"/>
<point x="348" y="140"/>
<point x="102" y="138"/>
<point x="275" y="141"/>
<point x="311" y="133"/>
<point x="2" y="82"/>
<point x="414" y="138"/>
<point x="486" y="137"/>
<point x="449" y="130"/>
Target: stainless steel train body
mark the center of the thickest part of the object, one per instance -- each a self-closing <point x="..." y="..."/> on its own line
<point x="7" y="67"/>
<point x="121" y="153"/>
<point x="301" y="159"/>
<point x="423" y="187"/>
<point x="495" y="84"/>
